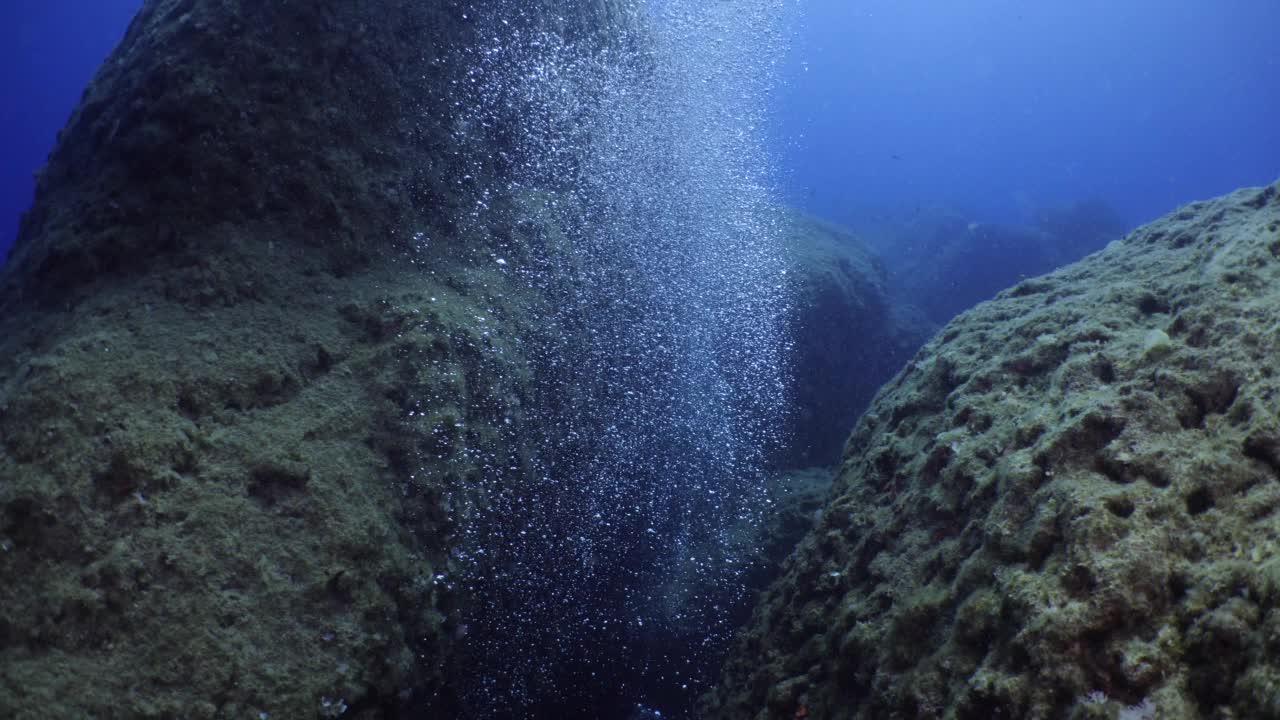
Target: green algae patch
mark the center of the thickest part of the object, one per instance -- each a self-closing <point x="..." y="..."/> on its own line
<point x="1156" y="344"/>
<point x="1064" y="507"/>
<point x="223" y="511"/>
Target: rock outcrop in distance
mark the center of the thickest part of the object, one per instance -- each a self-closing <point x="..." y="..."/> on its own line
<point x="848" y="336"/>
<point x="1063" y="507"/>
<point x="943" y="262"/>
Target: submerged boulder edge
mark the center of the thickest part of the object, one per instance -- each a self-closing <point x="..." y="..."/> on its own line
<point x="239" y="414"/>
<point x="1062" y="507"/>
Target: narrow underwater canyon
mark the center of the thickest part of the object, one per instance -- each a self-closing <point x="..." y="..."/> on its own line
<point x="412" y="359"/>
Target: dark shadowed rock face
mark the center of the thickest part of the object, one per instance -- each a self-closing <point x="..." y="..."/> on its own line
<point x="847" y="339"/>
<point x="326" y="123"/>
<point x="1063" y="507"/>
<point x="329" y="124"/>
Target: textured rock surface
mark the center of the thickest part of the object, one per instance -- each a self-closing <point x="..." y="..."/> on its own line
<point x="236" y="412"/>
<point x="1063" y="507"/>
<point x="215" y="512"/>
<point x="214" y="116"/>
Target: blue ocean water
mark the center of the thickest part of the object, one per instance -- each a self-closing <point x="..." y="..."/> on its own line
<point x="1001" y="107"/>
<point x="49" y="49"/>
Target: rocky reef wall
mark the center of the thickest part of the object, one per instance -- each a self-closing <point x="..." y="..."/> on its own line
<point x="323" y="123"/>
<point x="1063" y="507"/>
<point x="331" y="124"/>
<point x="250" y="369"/>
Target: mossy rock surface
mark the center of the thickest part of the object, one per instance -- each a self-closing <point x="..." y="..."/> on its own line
<point x="219" y="511"/>
<point x="1064" y="506"/>
<point x="241" y="409"/>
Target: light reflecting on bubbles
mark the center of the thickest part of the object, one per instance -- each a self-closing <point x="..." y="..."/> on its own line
<point x="605" y="564"/>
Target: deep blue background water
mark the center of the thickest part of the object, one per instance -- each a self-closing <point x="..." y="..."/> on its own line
<point x="998" y="107"/>
<point x="49" y="49"/>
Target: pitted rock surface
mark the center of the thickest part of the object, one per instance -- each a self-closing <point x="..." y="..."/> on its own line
<point x="1063" y="507"/>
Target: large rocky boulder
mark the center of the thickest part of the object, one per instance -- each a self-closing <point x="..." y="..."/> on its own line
<point x="253" y="370"/>
<point x="1063" y="507"/>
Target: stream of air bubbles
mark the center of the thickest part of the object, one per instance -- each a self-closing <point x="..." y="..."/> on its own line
<point x="605" y="572"/>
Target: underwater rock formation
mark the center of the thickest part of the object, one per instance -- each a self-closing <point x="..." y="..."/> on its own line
<point x="944" y="263"/>
<point x="256" y="354"/>
<point x="1063" y="507"/>
<point x="847" y="338"/>
<point x="250" y="367"/>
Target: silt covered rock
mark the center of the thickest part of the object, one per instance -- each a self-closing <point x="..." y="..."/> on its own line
<point x="1063" y="507"/>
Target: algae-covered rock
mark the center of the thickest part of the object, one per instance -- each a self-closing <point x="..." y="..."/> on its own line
<point x="1063" y="507"/>
<point x="258" y="360"/>
<point x="217" y="512"/>
<point x="252" y="371"/>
